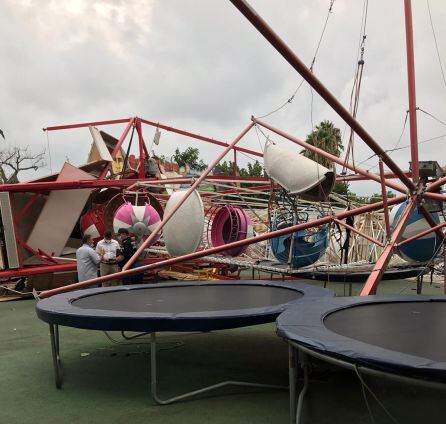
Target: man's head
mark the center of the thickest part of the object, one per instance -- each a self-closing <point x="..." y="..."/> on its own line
<point x="124" y="233"/>
<point x="107" y="235"/>
<point x="87" y="239"/>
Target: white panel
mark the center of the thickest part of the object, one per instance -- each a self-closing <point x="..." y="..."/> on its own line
<point x="99" y="150"/>
<point x="184" y="231"/>
<point x="296" y="173"/>
<point x="60" y="213"/>
<point x="9" y="231"/>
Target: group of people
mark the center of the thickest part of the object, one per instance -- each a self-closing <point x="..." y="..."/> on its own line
<point x="111" y="255"/>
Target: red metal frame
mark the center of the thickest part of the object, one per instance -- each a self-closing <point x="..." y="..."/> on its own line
<point x="411" y="91"/>
<point x="192" y="188"/>
<point x="412" y="189"/>
<point x="381" y="264"/>
<point x="384" y="196"/>
<point x="195" y="255"/>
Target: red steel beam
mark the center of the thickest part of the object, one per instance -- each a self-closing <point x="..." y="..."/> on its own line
<point x="331" y="157"/>
<point x="384" y="196"/>
<point x="25" y="208"/>
<point x="366" y="236"/>
<point x="89" y="184"/>
<point x="411" y="91"/>
<point x="436" y="185"/>
<point x="141" y="170"/>
<point x="199" y="137"/>
<point x="422" y="234"/>
<point x="219" y="249"/>
<point x="39" y="269"/>
<point x="87" y="124"/>
<point x="435" y="196"/>
<point x="259" y="23"/>
<point x="358" y="177"/>
<point x="380" y="267"/>
<point x="428" y="217"/>
<point x="168" y="216"/>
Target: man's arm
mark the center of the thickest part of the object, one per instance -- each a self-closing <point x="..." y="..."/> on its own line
<point x="95" y="256"/>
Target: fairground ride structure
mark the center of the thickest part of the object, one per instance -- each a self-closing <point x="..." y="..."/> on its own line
<point x="418" y="191"/>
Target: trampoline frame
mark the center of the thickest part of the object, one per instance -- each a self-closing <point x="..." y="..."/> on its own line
<point x="299" y="354"/>
<point x="154" y="370"/>
<point x="317" y="341"/>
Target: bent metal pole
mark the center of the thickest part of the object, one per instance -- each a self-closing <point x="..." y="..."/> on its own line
<point x="219" y="249"/>
<point x="191" y="189"/>
<point x="260" y="24"/>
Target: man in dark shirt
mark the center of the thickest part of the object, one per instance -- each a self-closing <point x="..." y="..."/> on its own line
<point x="127" y="251"/>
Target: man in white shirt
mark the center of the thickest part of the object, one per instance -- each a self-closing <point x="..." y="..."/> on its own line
<point x="110" y="251"/>
<point x="87" y="260"/>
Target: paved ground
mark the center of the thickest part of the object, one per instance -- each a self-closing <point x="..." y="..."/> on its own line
<point x="109" y="383"/>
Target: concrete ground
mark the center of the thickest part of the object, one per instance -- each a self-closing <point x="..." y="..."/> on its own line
<point x="109" y="383"/>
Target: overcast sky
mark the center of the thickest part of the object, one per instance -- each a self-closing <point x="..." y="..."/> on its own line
<point x="200" y="66"/>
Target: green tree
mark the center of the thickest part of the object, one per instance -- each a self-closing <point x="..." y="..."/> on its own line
<point x="377" y="197"/>
<point x="191" y="157"/>
<point x="253" y="169"/>
<point x="326" y="137"/>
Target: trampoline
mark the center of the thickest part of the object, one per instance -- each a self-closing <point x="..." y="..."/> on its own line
<point x="178" y="307"/>
<point x="400" y="337"/>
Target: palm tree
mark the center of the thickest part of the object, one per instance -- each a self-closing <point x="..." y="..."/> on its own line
<point x="327" y="137"/>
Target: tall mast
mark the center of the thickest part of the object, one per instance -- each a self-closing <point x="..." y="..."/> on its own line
<point x="411" y="90"/>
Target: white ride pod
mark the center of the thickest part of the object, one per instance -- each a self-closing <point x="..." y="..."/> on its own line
<point x="297" y="174"/>
<point x="184" y="231"/>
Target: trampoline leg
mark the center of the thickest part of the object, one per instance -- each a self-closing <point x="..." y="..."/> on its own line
<point x="54" y="335"/>
<point x="292" y="371"/>
<point x="300" y="401"/>
<point x="159" y="401"/>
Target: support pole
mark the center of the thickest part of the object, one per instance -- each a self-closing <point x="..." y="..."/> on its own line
<point x="54" y="336"/>
<point x="444" y="268"/>
<point x="292" y="374"/>
<point x="411" y="91"/>
<point x="384" y="196"/>
<point x="260" y="24"/>
<point x="169" y="215"/>
<point x="381" y="264"/>
<point x="142" y="155"/>
<point x="234" y="165"/>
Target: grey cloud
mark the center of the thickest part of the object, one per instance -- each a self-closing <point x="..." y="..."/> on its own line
<point x="201" y="66"/>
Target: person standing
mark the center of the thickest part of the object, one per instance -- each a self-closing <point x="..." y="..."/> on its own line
<point x="87" y="260"/>
<point x="110" y="251"/>
<point x="127" y="251"/>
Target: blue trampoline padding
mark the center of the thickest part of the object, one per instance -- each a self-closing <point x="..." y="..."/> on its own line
<point x="185" y="306"/>
<point x="396" y="334"/>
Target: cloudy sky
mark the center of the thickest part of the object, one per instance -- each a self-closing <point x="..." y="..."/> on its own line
<point x="200" y="66"/>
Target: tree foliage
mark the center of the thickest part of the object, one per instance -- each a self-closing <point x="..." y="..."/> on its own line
<point x="14" y="160"/>
<point x="326" y="137"/>
<point x="190" y="157"/>
<point x="252" y="170"/>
